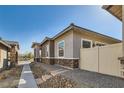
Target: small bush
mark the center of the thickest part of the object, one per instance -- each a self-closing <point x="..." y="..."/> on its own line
<point x="3" y="76"/>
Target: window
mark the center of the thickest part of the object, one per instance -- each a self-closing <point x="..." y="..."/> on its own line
<point x="61" y="46"/>
<point x="86" y="43"/>
<point x="99" y="44"/>
<point x="47" y="51"/>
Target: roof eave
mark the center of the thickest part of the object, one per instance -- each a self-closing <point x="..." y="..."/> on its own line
<point x="88" y="30"/>
<point x="45" y="39"/>
<point x="72" y="26"/>
<point x="59" y="34"/>
<point x="34" y="43"/>
<point x="65" y="30"/>
<point x="5" y="44"/>
<point x="107" y="7"/>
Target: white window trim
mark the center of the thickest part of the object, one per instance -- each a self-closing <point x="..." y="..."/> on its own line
<point x="86" y="40"/>
<point x="100" y="42"/>
<point x="58" y="49"/>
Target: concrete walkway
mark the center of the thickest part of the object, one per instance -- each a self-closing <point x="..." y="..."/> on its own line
<point x="27" y="79"/>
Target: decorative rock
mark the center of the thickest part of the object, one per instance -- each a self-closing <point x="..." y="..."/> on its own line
<point x="58" y="81"/>
<point x="39" y="81"/>
<point x="45" y="77"/>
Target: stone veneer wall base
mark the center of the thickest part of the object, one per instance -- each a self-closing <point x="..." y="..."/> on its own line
<point x="72" y="63"/>
<point x="47" y="61"/>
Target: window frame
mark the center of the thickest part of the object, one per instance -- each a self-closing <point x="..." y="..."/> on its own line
<point x="58" y="49"/>
<point x="86" y="40"/>
<point x="99" y="43"/>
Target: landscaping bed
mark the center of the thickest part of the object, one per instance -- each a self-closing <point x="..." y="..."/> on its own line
<point x="10" y="78"/>
<point x="45" y="79"/>
<point x="57" y="76"/>
<point x="58" y="81"/>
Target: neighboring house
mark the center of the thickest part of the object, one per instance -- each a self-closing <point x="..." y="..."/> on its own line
<point x="64" y="48"/>
<point x="4" y="48"/>
<point x="13" y="53"/>
<point x="8" y="52"/>
<point x="36" y="47"/>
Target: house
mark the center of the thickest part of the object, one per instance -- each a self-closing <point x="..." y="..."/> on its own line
<point x="64" y="48"/>
<point x="4" y="48"/>
<point x="13" y="52"/>
<point x="36" y="47"/>
<point x="8" y="53"/>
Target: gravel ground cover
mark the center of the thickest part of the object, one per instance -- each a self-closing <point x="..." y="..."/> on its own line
<point x="10" y="78"/>
<point x="83" y="78"/>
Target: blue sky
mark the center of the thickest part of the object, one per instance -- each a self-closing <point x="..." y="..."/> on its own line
<point x="27" y="24"/>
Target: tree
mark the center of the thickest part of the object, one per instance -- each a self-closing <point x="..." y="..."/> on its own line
<point x="30" y="55"/>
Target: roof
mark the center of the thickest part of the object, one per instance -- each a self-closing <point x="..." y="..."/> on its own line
<point x="102" y="35"/>
<point x="65" y="30"/>
<point x="4" y="43"/>
<point x="115" y="10"/>
<point x="45" y="39"/>
<point x="72" y="26"/>
<point x="12" y="43"/>
<point x="9" y="43"/>
<point x="34" y="43"/>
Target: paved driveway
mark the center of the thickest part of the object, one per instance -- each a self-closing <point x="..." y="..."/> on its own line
<point x="82" y="77"/>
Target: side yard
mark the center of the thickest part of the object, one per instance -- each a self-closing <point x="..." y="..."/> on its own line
<point x="54" y="76"/>
<point x="10" y="78"/>
<point x="48" y="79"/>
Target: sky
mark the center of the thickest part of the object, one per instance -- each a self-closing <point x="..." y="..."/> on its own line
<point x="27" y="24"/>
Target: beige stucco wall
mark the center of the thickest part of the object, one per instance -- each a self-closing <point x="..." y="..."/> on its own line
<point x="43" y="49"/>
<point x="50" y="44"/>
<point x="68" y="39"/>
<point x="76" y="44"/>
<point x="3" y="54"/>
